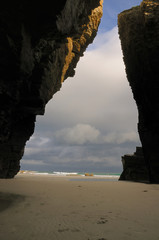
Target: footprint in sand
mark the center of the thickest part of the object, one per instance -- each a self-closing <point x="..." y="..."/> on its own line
<point x="99" y="239"/>
<point x="75" y="230"/>
<point x="102" y="221"/>
<point x="63" y="230"/>
<point x="102" y="239"/>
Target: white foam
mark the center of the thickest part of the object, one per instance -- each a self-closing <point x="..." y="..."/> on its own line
<point x="64" y="173"/>
<point x="38" y="173"/>
<point x="106" y="176"/>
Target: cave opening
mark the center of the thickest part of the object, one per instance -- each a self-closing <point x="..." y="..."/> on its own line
<point x="92" y="121"/>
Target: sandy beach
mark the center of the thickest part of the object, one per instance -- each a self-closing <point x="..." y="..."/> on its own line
<point x="37" y="207"/>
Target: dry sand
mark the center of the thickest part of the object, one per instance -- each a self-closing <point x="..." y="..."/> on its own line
<point x="34" y="207"/>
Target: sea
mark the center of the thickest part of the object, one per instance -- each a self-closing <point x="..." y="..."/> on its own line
<point x="82" y="176"/>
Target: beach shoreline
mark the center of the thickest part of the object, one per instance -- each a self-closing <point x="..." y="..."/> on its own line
<point x="72" y="174"/>
<point x="35" y="206"/>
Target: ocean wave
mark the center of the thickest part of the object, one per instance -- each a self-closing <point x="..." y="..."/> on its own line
<point x="65" y="173"/>
<point x="97" y="175"/>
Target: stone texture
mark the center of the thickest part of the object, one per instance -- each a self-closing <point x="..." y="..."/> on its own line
<point x="139" y="34"/>
<point x="134" y="168"/>
<point x="40" y="45"/>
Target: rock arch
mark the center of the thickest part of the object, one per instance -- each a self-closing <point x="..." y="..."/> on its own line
<point x="37" y="53"/>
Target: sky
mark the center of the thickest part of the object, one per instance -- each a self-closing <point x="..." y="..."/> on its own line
<point x="92" y="121"/>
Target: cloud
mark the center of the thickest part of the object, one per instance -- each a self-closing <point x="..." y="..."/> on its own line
<point x="119" y="138"/>
<point x="33" y="162"/>
<point x="37" y="144"/>
<point x="38" y="141"/>
<point x="86" y="134"/>
<point x="79" y="134"/>
<point x="32" y="150"/>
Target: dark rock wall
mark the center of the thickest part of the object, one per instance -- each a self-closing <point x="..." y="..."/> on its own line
<point x="40" y="45"/>
<point x="134" y="168"/>
<point x="139" y="34"/>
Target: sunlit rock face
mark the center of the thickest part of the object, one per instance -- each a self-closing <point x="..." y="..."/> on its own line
<point x="139" y="34"/>
<point x="40" y="45"/>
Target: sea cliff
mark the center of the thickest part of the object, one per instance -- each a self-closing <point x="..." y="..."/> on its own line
<point x="40" y="45"/>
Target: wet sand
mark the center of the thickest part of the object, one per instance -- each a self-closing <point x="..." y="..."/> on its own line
<point x="35" y="207"/>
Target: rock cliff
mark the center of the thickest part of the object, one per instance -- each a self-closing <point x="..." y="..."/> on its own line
<point x="40" y="45"/>
<point x="134" y="167"/>
<point x="139" y="34"/>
